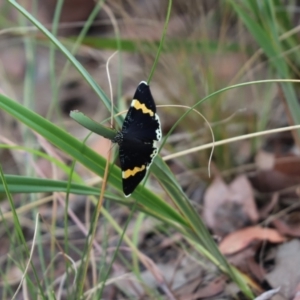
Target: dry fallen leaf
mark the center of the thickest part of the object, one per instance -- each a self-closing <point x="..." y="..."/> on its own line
<point x="271" y="181"/>
<point x="229" y="207"/>
<point x="289" y="165"/>
<point x="242" y="193"/>
<point x="276" y="173"/>
<point x="242" y="238"/>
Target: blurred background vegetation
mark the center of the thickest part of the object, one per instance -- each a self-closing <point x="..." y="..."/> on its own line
<point x="209" y="45"/>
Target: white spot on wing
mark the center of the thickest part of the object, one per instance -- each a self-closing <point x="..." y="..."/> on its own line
<point x="133" y="103"/>
<point x="152" y="155"/>
<point x="158" y="130"/>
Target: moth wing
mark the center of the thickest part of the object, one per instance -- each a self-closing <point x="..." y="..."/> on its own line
<point x="135" y="160"/>
<point x="141" y="120"/>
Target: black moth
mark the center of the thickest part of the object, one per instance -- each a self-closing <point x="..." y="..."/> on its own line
<point x="137" y="139"/>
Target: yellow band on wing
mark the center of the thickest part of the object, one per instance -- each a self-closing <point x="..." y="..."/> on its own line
<point x="128" y="173"/>
<point x="138" y="105"/>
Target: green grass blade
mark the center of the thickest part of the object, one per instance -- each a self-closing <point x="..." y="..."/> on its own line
<point x="24" y="184"/>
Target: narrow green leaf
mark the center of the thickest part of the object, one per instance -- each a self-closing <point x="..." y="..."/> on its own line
<point x="91" y="125"/>
<point x="24" y="184"/>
